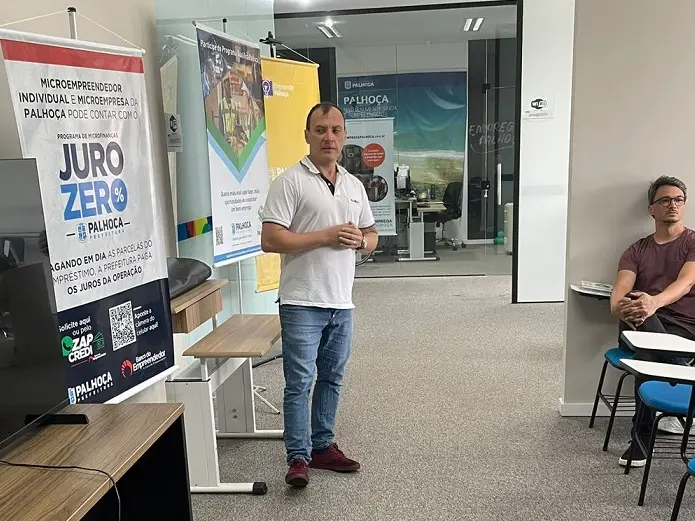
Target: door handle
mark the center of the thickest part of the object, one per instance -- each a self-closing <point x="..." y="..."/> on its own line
<point x="499" y="184"/>
<point x="485" y="187"/>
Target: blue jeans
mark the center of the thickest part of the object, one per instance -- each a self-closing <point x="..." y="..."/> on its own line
<point x="315" y="342"/>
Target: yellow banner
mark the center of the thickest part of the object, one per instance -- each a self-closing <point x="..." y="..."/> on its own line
<point x="290" y="89"/>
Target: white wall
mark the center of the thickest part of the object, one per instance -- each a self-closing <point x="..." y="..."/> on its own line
<point x="620" y="143"/>
<point x="547" y="47"/>
<point x="401" y="58"/>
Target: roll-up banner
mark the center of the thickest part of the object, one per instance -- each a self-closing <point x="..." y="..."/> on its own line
<point x="290" y="89"/>
<point x="230" y="72"/>
<point x="368" y="155"/>
<point x="81" y="112"/>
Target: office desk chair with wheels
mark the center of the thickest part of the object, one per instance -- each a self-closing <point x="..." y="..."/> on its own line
<point x="452" y="202"/>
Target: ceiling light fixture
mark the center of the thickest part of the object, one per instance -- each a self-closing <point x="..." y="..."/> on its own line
<point x="473" y="24"/>
<point x="325" y="31"/>
<point x="328" y="28"/>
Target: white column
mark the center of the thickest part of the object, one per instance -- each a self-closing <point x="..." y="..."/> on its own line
<point x="546" y="73"/>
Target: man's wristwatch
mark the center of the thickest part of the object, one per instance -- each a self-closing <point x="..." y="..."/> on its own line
<point x="363" y="244"/>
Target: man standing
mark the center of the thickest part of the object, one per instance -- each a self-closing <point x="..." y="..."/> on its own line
<point x="316" y="215"/>
<point x="653" y="290"/>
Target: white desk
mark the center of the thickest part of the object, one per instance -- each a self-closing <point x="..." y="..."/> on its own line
<point x="679" y="374"/>
<point x="224" y="368"/>
<point x="659" y="343"/>
<point x="416" y="229"/>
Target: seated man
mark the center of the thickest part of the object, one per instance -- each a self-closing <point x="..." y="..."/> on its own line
<point x="654" y="287"/>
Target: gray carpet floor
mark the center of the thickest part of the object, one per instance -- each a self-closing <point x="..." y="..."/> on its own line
<point x="450" y="404"/>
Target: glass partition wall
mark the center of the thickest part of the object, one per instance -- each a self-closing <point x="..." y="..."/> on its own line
<point x="447" y="78"/>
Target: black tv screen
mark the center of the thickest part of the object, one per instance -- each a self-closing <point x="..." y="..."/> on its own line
<point x="32" y="370"/>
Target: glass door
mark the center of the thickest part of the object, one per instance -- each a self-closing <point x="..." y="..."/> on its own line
<point x="491" y="153"/>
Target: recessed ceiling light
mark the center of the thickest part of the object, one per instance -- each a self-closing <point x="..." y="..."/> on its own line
<point x="325" y="31"/>
<point x="328" y="28"/>
<point x="473" y="24"/>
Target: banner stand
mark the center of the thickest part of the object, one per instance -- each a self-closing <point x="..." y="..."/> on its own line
<point x="72" y="20"/>
<point x="151" y="293"/>
<point x="240" y="293"/>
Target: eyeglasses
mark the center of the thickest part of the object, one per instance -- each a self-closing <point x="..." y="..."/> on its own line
<point x="665" y="202"/>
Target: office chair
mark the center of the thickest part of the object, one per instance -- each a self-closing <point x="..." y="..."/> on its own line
<point x="452" y="202"/>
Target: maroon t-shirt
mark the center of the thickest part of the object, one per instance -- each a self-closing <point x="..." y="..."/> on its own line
<point x="657" y="266"/>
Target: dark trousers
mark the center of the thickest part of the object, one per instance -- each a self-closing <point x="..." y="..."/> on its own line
<point x="653" y="324"/>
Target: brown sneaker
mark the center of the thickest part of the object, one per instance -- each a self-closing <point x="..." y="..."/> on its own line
<point x="298" y="475"/>
<point x="333" y="459"/>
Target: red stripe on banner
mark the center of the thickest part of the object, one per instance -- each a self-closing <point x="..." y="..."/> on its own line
<point x="14" y="50"/>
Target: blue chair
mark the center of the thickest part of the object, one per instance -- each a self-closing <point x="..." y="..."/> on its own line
<point x="669" y="400"/>
<point x="689" y="465"/>
<point x="612" y="401"/>
<point x="681" y="489"/>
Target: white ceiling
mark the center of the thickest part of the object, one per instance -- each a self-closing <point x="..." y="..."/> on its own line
<point x="445" y="25"/>
<point x="294" y="6"/>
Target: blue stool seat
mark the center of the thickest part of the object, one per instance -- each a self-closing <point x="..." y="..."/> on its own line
<point x="664" y="397"/>
<point x="691" y="466"/>
<point x="614" y="355"/>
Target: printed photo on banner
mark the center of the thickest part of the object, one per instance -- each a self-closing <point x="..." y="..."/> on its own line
<point x="231" y="100"/>
<point x="430" y="113"/>
<point x="82" y="113"/>
<point x="235" y="118"/>
<point x="368" y="155"/>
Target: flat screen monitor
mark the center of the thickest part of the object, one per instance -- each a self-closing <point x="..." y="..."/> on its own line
<point x="32" y="370"/>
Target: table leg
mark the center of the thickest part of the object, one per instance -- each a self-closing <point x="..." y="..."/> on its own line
<point x="416" y="238"/>
<point x="201" y="440"/>
<point x="236" y="413"/>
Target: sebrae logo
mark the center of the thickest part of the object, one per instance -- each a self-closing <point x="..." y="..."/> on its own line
<point x="83" y="348"/>
<point x="267" y="88"/>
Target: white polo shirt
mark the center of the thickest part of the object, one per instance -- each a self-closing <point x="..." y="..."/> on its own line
<point x="301" y="201"/>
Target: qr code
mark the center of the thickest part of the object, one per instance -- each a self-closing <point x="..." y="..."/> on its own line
<point x="219" y="236"/>
<point x="122" y="325"/>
